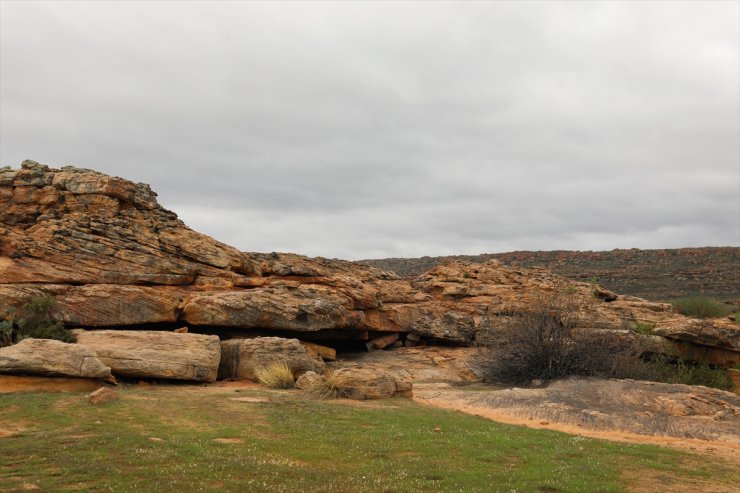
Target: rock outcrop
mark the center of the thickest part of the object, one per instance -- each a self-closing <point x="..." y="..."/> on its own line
<point x="155" y="354"/>
<point x="111" y="256"/>
<point x="47" y="357"/>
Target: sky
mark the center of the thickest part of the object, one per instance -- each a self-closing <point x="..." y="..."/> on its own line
<point x="393" y="129"/>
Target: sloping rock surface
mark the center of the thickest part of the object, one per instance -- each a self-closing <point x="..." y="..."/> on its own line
<point x="52" y="358"/>
<point x="155" y="354"/>
<point x="646" y="408"/>
<point x="111" y="256"/>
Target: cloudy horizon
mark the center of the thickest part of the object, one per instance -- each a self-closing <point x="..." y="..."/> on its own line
<point x="369" y="130"/>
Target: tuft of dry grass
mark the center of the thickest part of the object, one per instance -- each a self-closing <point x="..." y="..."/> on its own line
<point x="276" y="375"/>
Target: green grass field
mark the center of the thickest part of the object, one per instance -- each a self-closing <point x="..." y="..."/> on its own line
<point x="184" y="439"/>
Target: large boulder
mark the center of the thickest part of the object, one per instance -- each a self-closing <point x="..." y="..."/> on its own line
<point x="241" y="357"/>
<point x="155" y="354"/>
<point x="48" y="357"/>
<point x="370" y="382"/>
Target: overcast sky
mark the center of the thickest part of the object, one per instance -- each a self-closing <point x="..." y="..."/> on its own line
<point x="366" y="129"/>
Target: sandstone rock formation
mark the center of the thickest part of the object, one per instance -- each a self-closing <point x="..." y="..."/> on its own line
<point x="111" y="256"/>
<point x="155" y="354"/>
<point x="52" y="358"/>
<point x="241" y="357"/>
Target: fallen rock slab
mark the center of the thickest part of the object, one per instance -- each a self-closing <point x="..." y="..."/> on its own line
<point x="241" y="357"/>
<point x="49" y="357"/>
<point x="155" y="354"/>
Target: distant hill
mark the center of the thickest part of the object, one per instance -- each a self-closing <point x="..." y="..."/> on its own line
<point x="652" y="274"/>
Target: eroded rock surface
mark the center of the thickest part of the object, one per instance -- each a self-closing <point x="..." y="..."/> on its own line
<point x="240" y="358"/>
<point x="155" y="354"/>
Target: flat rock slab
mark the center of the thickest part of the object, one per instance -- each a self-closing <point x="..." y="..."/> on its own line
<point x="49" y="357"/>
<point x="644" y="408"/>
<point x="155" y="354"/>
<point x="15" y="383"/>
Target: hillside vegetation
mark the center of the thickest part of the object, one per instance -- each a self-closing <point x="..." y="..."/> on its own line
<point x="657" y="275"/>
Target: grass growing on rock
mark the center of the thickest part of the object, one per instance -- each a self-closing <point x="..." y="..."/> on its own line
<point x="209" y="438"/>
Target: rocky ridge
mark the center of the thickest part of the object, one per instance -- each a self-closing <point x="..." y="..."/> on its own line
<point x="662" y="274"/>
<point x="112" y="257"/>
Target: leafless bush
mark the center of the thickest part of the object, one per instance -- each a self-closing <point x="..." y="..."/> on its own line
<point x="546" y="343"/>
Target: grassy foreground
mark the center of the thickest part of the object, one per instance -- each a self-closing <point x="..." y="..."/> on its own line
<point x="187" y="439"/>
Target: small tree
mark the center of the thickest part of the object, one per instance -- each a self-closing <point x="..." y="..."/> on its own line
<point x="33" y="320"/>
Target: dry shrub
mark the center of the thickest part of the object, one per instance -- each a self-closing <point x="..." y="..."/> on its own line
<point x="546" y="343"/>
<point x="276" y="375"/>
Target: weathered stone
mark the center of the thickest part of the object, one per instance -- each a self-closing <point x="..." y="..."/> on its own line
<point x="155" y="354"/>
<point x="308" y="380"/>
<point x="241" y="357"/>
<point x="367" y="382"/>
<point x="102" y="395"/>
<point x="52" y="358"/>
<point x="712" y="332"/>
<point x="453" y="327"/>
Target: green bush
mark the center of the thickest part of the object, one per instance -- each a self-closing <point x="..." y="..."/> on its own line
<point x="700" y="307"/>
<point x="33" y="320"/>
<point x="661" y="368"/>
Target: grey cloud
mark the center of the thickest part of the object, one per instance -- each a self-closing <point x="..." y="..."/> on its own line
<point x="406" y="128"/>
